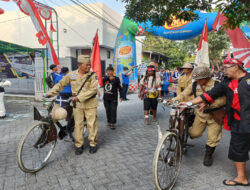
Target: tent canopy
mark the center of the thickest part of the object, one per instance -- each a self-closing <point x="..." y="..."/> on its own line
<point x="6" y="47"/>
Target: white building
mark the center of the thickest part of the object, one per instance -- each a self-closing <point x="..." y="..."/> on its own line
<point x="76" y="31"/>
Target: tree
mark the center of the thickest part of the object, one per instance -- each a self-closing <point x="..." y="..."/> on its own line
<point x="172" y="49"/>
<point x="185" y="51"/>
<point x="160" y="12"/>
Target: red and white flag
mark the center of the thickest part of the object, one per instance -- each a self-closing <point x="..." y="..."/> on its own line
<point x="241" y="45"/>
<point x="31" y="9"/>
<point x="96" y="59"/>
<point x="202" y="57"/>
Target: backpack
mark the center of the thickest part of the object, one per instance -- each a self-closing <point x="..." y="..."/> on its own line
<point x="49" y="81"/>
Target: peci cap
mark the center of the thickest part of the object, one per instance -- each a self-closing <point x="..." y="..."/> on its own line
<point x="83" y="59"/>
<point x="187" y="66"/>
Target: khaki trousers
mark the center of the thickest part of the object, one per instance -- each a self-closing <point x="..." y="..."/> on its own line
<point x="214" y="130"/>
<point x="92" y="124"/>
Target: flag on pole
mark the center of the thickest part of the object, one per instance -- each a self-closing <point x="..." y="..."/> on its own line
<point x="96" y="59"/>
<point x="202" y="57"/>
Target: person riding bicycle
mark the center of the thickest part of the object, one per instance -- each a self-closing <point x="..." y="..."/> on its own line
<point x="236" y="88"/>
<point x="204" y="82"/>
<point x="84" y="89"/>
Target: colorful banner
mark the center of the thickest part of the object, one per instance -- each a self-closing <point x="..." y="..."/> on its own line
<point x="180" y="29"/>
<point x="17" y="65"/>
<point x="125" y="49"/>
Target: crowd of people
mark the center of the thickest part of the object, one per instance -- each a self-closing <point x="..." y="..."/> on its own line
<point x="222" y="97"/>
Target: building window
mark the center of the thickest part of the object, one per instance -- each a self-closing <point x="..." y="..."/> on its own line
<point x="108" y="54"/>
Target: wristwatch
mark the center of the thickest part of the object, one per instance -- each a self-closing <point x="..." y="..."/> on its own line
<point x="189" y="103"/>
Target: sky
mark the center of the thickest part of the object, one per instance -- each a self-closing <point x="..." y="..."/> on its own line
<point x="118" y="6"/>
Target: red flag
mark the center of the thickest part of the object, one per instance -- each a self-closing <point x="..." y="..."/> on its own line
<point x="52" y="27"/>
<point x="1" y="11"/>
<point x="96" y="59"/>
<point x="202" y="57"/>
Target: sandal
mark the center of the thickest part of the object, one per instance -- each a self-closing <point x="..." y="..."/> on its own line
<point x="235" y="183"/>
<point x="112" y="126"/>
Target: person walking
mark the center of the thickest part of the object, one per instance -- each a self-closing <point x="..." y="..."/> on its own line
<point x="125" y="82"/>
<point x="236" y="88"/>
<point x="84" y="86"/>
<point x="112" y="85"/>
<point x="203" y="82"/>
<point x="150" y="90"/>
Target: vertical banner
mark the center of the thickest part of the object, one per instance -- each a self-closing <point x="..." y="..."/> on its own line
<point x="125" y="51"/>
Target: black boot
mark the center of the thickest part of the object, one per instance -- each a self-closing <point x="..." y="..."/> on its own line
<point x="208" y="158"/>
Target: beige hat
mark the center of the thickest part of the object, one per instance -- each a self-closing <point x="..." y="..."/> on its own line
<point x="83" y="59"/>
<point x="58" y="113"/>
<point x="187" y="66"/>
<point x="201" y="73"/>
<point x="151" y="64"/>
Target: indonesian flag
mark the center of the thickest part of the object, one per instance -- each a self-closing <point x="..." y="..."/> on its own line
<point x="96" y="59"/>
<point x="202" y="57"/>
<point x="1" y="11"/>
<point x="30" y="8"/>
<point x="241" y="45"/>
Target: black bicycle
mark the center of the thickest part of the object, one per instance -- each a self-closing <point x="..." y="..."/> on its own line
<point x="168" y="153"/>
<point x="39" y="141"/>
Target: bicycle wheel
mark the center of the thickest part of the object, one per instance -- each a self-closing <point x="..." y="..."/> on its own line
<point x="167" y="159"/>
<point x="33" y="152"/>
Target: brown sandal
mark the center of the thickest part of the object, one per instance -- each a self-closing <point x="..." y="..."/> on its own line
<point x="112" y="126"/>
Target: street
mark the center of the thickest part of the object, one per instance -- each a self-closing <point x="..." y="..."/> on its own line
<point x="123" y="161"/>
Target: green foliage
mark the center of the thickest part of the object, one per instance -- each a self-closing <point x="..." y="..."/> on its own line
<point x="162" y="11"/>
<point x="180" y="52"/>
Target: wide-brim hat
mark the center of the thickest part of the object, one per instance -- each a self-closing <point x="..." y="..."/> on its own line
<point x="187" y="66"/>
<point x="58" y="113"/>
<point x="151" y="64"/>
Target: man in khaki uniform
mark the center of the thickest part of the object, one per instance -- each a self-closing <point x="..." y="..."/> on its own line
<point x="185" y="80"/>
<point x="202" y="77"/>
<point x="86" y="102"/>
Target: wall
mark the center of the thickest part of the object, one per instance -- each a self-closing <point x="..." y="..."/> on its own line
<point x="22" y="31"/>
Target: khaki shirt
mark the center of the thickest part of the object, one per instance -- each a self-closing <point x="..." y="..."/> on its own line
<point x="76" y="81"/>
<point x="183" y="83"/>
<point x="219" y="102"/>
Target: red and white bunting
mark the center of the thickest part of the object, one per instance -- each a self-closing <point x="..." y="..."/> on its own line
<point x="31" y="9"/>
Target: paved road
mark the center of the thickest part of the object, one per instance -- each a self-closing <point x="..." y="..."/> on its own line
<point x="123" y="161"/>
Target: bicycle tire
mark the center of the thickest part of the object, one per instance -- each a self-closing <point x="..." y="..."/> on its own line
<point x="158" y="157"/>
<point x="20" y="160"/>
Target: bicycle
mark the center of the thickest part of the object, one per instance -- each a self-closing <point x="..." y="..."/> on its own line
<point x="168" y="153"/>
<point x="38" y="143"/>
